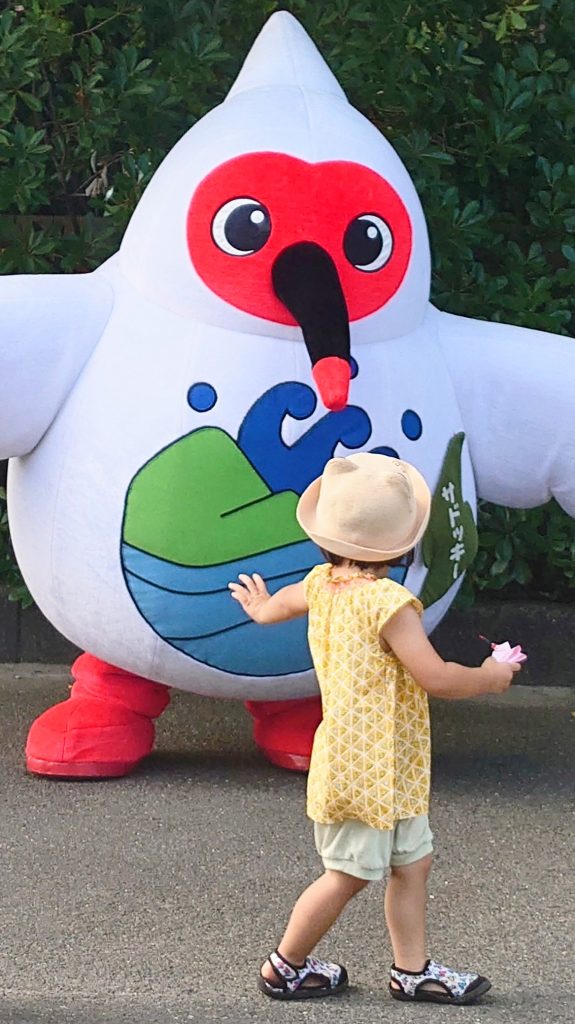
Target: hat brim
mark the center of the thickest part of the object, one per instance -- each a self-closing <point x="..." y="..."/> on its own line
<point x="306" y="514"/>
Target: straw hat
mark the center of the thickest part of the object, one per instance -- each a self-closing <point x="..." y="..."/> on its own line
<point x="367" y="507"/>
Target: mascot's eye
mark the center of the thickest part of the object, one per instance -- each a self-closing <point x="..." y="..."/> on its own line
<point x="241" y="227"/>
<point x="368" y="242"/>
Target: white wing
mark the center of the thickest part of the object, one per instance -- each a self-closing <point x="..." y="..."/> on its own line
<point x="516" y="391"/>
<point x="49" y="326"/>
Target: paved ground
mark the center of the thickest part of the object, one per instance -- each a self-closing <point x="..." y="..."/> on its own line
<point x="151" y="900"/>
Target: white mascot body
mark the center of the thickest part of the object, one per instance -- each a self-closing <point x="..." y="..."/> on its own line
<point x="164" y="413"/>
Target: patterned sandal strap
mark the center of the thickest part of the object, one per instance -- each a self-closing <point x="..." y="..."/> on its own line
<point x="287" y="973"/>
<point x="454" y="983"/>
<point x="333" y="973"/>
<point x="292" y="976"/>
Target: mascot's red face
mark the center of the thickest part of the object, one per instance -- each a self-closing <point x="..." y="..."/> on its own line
<point x="317" y="245"/>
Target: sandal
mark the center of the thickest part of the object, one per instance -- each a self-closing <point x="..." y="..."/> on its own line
<point x="460" y="988"/>
<point x="292" y="978"/>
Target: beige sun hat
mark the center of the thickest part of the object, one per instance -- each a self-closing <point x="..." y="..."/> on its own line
<point x="367" y="507"/>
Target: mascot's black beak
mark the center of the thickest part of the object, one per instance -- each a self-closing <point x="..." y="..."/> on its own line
<point x="305" y="279"/>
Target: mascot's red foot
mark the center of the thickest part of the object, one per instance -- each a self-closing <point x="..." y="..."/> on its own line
<point x="102" y="730"/>
<point x="284" y="730"/>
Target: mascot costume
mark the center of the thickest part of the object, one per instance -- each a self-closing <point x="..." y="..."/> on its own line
<point x="268" y="309"/>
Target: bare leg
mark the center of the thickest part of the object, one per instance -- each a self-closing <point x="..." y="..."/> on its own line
<point x="314" y="913"/>
<point x="405" y="912"/>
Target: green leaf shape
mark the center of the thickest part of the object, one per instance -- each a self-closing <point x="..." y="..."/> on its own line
<point x="445" y="559"/>
<point x="200" y="502"/>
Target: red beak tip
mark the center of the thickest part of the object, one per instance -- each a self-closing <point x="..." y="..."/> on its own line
<point x="335" y="404"/>
<point x="332" y="376"/>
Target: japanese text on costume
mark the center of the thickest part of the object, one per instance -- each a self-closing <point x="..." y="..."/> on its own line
<point x="457" y="552"/>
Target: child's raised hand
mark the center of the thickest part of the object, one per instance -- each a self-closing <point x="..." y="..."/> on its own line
<point x="499" y="674"/>
<point x="251" y="593"/>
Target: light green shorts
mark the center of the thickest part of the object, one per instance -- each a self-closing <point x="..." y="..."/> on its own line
<point x="365" y="852"/>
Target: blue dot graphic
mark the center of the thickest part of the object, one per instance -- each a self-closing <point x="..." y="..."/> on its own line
<point x="385" y="450"/>
<point x="411" y="425"/>
<point x="202" y="397"/>
<point x="354" y="367"/>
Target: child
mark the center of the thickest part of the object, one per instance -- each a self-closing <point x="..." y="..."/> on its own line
<point x="368" y="785"/>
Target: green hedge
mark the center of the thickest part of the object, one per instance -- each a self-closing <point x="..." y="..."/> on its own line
<point x="478" y="98"/>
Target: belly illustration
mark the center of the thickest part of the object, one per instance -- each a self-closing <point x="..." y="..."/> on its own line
<point x="208" y="507"/>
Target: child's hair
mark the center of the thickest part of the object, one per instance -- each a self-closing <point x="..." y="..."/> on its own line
<point x="405" y="559"/>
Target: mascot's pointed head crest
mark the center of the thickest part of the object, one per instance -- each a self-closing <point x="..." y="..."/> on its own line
<point x="284" y="55"/>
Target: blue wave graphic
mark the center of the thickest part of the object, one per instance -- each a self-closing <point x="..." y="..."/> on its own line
<point x="186" y="579"/>
<point x="191" y="608"/>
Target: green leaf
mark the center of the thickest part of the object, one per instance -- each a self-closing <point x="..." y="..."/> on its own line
<point x="517" y="20"/>
<point x="439" y="156"/>
<point x="31" y="101"/>
<point x="447" y="554"/>
<point x="501" y="30"/>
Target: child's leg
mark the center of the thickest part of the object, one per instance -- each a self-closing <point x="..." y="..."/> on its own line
<point x="316" y="910"/>
<point x="417" y="977"/>
<point x="405" y="912"/>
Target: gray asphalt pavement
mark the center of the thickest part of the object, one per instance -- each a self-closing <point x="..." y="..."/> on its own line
<point x="152" y="899"/>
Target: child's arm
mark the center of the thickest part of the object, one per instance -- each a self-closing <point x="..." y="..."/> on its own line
<point x="405" y="635"/>
<point x="255" y="599"/>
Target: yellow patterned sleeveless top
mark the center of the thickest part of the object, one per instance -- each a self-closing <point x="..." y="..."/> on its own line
<point x="371" y="752"/>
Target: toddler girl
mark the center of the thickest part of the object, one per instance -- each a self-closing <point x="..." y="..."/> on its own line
<point x="368" y="785"/>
